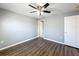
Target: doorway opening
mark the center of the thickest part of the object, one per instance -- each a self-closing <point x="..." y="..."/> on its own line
<point x="41" y="28"/>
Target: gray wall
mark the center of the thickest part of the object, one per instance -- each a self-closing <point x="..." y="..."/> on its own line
<point x="15" y="28"/>
<point x="54" y="26"/>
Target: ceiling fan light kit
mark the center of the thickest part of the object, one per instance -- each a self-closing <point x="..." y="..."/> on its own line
<point x="40" y="8"/>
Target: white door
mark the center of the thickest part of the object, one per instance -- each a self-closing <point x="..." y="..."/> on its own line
<point x="40" y="28"/>
<point x="77" y="31"/>
<point x="70" y="31"/>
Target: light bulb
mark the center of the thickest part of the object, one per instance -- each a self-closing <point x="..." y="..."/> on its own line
<point x="38" y="12"/>
<point x="41" y="13"/>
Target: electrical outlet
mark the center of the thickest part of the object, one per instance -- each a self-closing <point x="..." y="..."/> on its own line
<point x="2" y="42"/>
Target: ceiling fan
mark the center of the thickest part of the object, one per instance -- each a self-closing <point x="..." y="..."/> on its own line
<point x="40" y="9"/>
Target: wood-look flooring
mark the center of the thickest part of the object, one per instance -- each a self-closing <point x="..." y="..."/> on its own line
<point x="40" y="47"/>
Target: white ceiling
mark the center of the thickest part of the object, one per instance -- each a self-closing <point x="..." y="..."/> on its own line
<point x="55" y="8"/>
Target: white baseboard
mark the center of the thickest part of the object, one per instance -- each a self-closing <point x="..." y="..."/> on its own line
<point x="53" y="40"/>
<point x="17" y="43"/>
<point x="29" y="40"/>
<point x="59" y="42"/>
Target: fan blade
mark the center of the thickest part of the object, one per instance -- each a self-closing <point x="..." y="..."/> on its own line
<point x="46" y="5"/>
<point x="32" y="6"/>
<point x="33" y="11"/>
<point x="47" y="11"/>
